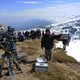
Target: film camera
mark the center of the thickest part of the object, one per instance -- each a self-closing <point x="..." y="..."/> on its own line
<point x="7" y="37"/>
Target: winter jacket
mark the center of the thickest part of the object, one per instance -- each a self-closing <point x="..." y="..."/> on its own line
<point x="47" y="41"/>
<point x="66" y="39"/>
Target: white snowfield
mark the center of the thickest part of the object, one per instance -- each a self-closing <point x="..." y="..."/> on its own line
<point x="65" y="21"/>
<point x="73" y="49"/>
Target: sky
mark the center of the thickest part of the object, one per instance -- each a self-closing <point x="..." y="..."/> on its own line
<point x="22" y="10"/>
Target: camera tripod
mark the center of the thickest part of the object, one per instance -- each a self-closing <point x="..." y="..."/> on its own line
<point x="10" y="61"/>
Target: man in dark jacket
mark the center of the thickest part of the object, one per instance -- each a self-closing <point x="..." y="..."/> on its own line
<point x="47" y="42"/>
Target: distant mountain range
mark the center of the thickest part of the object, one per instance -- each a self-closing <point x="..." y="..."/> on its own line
<point x="34" y="23"/>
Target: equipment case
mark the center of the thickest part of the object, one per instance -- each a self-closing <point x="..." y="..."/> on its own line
<point x="41" y="65"/>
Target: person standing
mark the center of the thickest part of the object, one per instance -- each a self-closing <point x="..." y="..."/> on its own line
<point x="47" y="42"/>
<point x="66" y="40"/>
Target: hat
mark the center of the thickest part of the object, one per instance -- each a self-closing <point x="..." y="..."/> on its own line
<point x="47" y="30"/>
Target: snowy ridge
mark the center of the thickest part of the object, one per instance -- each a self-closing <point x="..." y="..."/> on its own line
<point x="67" y="21"/>
<point x="63" y="19"/>
<point x="68" y="25"/>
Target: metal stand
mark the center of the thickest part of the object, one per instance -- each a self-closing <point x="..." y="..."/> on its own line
<point x="10" y="60"/>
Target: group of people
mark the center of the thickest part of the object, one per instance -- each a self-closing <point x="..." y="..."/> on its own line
<point x="29" y="35"/>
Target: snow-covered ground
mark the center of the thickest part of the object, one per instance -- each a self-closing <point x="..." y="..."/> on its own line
<point x="73" y="49"/>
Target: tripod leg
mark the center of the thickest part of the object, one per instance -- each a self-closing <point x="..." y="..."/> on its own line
<point x="15" y="55"/>
<point x="17" y="65"/>
<point x="10" y="69"/>
<point x="2" y="64"/>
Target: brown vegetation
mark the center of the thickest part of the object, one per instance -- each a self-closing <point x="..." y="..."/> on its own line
<point x="61" y="67"/>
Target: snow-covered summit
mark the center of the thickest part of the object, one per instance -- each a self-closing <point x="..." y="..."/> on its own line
<point x="58" y="19"/>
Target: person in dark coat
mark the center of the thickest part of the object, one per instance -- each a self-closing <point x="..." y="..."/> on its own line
<point x="42" y="32"/>
<point x="66" y="40"/>
<point x="47" y="42"/>
<point x="20" y="37"/>
<point x="38" y="33"/>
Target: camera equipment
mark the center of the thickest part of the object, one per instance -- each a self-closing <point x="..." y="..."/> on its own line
<point x="7" y="43"/>
<point x="3" y="29"/>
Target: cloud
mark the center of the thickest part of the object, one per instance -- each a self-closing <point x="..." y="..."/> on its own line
<point x="45" y="12"/>
<point x="29" y="2"/>
<point x="59" y="10"/>
<point x="58" y="2"/>
<point x="55" y="2"/>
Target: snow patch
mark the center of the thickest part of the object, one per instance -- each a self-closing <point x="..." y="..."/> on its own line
<point x="73" y="49"/>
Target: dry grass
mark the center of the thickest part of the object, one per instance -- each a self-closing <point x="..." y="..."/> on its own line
<point x="30" y="47"/>
<point x="60" y="69"/>
<point x="61" y="56"/>
<point x="56" y="72"/>
<point x="29" y="50"/>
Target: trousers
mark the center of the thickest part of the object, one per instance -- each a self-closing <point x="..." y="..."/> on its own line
<point x="48" y="54"/>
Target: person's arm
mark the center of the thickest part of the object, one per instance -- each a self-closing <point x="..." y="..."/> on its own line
<point x="57" y="37"/>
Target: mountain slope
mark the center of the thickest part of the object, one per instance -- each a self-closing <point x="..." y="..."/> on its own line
<point x="67" y="26"/>
<point x="62" y="66"/>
